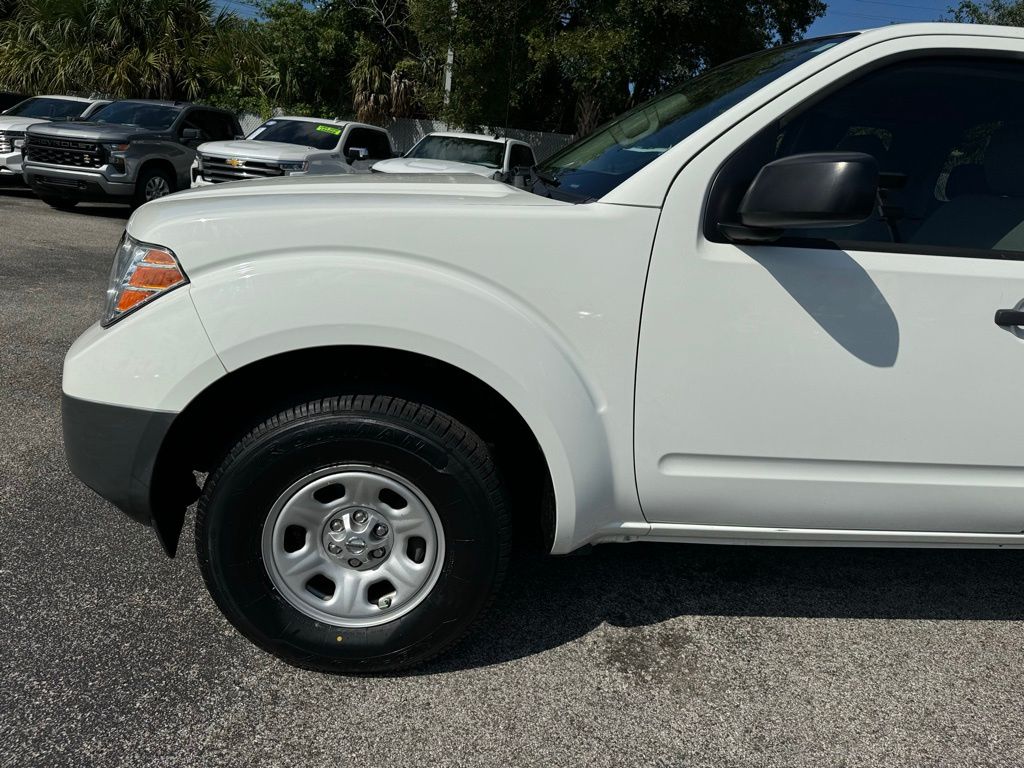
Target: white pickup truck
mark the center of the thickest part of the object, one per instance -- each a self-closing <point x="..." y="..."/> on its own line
<point x="779" y="304"/>
<point x="38" y="109"/>
<point x="490" y="156"/>
<point x="292" y="146"/>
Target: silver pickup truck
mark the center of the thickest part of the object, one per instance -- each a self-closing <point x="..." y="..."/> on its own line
<point x="129" y="151"/>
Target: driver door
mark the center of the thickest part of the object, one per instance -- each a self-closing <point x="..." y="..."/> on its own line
<point x="849" y="379"/>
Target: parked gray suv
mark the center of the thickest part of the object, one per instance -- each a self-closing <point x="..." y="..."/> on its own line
<point x="129" y="151"/>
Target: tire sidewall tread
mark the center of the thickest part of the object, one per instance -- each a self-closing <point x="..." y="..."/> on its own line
<point x="463" y="484"/>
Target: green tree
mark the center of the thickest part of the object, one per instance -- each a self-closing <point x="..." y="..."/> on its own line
<point x="614" y="53"/>
<point x="169" y="49"/>
<point x="1005" y="12"/>
<point x="389" y="69"/>
<point x="569" y="64"/>
<point x="494" y="79"/>
<point x="311" y="51"/>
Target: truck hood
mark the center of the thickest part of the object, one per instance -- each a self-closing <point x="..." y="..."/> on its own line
<point x="422" y="165"/>
<point x="258" y="150"/>
<point x="98" y="132"/>
<point x="330" y="196"/>
<point x="20" y="124"/>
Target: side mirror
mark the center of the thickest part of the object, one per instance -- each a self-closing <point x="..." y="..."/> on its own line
<point x="821" y="189"/>
<point x="190" y="134"/>
<point x="356" y="153"/>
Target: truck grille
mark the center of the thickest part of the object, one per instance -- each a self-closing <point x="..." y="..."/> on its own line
<point x="77" y="154"/>
<point x="218" y="169"/>
<point x="7" y="141"/>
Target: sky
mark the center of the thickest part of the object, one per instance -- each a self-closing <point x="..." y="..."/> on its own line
<point x="845" y="15"/>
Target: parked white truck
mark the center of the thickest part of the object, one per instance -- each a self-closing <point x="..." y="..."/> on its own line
<point x="783" y="303"/>
<point x="293" y="146"/>
<point x="39" y="109"/>
<point x="490" y="156"/>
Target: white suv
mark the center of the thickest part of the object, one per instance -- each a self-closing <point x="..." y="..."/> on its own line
<point x="292" y="146"/>
<point x="780" y="304"/>
<point x="38" y="109"/>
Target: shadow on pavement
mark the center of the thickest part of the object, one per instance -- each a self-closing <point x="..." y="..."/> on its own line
<point x="549" y="602"/>
<point x="13" y="188"/>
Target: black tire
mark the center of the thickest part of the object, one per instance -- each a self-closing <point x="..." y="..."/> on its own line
<point x="433" y="451"/>
<point x="142" y="182"/>
<point x="60" y="203"/>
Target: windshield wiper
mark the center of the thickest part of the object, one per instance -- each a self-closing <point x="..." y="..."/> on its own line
<point x="548" y="178"/>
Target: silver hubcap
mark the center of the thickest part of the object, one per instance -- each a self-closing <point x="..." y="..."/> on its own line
<point x="353" y="546"/>
<point x="157" y="187"/>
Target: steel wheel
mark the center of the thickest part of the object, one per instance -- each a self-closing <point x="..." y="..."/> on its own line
<point x="358" y="533"/>
<point x="353" y="546"/>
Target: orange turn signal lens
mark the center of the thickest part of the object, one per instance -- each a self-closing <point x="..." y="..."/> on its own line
<point x="155" y="256"/>
<point x="155" y="278"/>
<point x="140" y="273"/>
<point x="130" y="298"/>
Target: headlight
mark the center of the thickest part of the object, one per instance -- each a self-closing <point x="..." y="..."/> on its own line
<point x="301" y="166"/>
<point x="16" y="138"/>
<point x="115" y="154"/>
<point x="141" y="272"/>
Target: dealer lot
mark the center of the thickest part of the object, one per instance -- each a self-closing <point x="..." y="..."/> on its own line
<point x="631" y="655"/>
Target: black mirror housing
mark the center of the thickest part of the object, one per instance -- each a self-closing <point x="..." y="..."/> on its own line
<point x="356" y="153"/>
<point x="190" y="134"/>
<point x="820" y="189"/>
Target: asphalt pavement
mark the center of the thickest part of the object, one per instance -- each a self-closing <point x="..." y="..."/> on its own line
<point x="633" y="655"/>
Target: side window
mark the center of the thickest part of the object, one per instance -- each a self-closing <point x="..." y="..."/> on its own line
<point x="376" y="143"/>
<point x="192" y="121"/>
<point x="948" y="135"/>
<point x="214" y="126"/>
<point x="224" y="127"/>
<point x="521" y="157"/>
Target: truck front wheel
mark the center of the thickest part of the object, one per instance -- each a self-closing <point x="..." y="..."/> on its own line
<point x="153" y="183"/>
<point x="354" y="534"/>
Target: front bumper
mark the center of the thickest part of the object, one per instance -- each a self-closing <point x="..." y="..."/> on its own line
<point x="10" y="163"/>
<point x="75" y="183"/>
<point x="113" y="450"/>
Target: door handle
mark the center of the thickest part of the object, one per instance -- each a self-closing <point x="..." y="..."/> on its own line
<point x="1008" y="318"/>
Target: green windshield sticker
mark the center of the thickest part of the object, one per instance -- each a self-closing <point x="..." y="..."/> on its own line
<point x="329" y="129"/>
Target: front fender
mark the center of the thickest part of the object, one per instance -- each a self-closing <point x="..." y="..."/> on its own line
<point x="275" y="303"/>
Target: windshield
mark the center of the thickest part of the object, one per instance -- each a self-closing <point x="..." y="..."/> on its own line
<point x="48" y="109"/>
<point x="489" y="154"/>
<point x="154" y="117"/>
<point x="301" y="132"/>
<point x="595" y="165"/>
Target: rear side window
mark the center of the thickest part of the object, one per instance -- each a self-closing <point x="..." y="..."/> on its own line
<point x="376" y="143"/>
<point x="521" y="157"/>
<point x="215" y="126"/>
<point x="948" y="135"/>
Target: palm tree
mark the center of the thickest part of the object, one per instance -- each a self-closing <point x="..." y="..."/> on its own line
<point x="170" y="49"/>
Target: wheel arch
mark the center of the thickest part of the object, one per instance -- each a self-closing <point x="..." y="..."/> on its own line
<point x="223" y="412"/>
<point x="163" y="164"/>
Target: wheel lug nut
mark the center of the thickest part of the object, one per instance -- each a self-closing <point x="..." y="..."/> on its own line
<point x="359" y="516"/>
<point x="337" y="525"/>
<point x="355" y="563"/>
<point x="333" y="549"/>
<point x="380" y="530"/>
<point x="378" y="553"/>
<point x="384" y="602"/>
